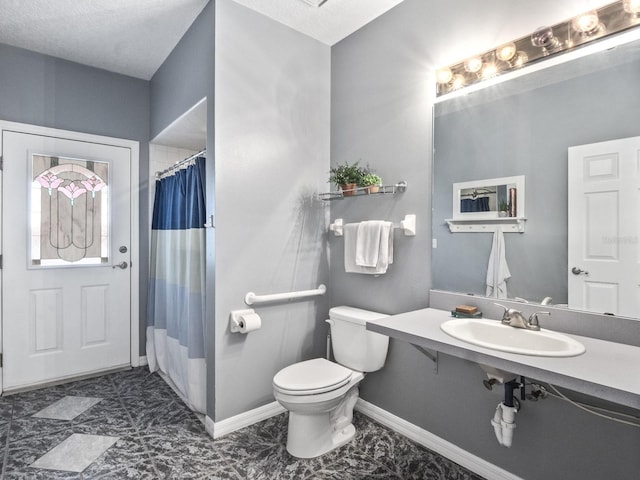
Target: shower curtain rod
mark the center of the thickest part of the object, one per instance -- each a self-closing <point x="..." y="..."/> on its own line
<point x="180" y="163"/>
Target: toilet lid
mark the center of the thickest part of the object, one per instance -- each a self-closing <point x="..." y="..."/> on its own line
<point x="312" y="375"/>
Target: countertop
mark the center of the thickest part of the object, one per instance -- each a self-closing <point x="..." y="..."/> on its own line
<point x="606" y="370"/>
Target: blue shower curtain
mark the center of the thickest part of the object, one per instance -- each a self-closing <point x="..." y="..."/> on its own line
<point x="175" y="313"/>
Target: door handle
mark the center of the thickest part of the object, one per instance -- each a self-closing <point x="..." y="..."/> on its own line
<point x="121" y="265"/>
<point x="578" y="271"/>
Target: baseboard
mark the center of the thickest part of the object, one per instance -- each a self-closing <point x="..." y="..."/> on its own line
<point x="231" y="424"/>
<point x="434" y="443"/>
<point x="142" y="361"/>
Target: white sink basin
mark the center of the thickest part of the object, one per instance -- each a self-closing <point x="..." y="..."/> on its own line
<point x="493" y="334"/>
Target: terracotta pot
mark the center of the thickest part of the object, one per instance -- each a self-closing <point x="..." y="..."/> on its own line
<point x="349" y="189"/>
<point x="373" y="188"/>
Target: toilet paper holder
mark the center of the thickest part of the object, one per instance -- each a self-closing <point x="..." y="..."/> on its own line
<point x="236" y="321"/>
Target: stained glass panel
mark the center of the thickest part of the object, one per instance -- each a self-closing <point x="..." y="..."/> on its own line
<point x="69" y="211"/>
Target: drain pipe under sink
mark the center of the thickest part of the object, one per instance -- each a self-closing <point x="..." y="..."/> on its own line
<point x="504" y="418"/>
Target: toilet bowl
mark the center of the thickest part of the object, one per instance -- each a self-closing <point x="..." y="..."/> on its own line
<point x="320" y="394"/>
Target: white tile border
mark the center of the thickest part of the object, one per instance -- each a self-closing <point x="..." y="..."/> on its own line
<point x="433" y="442"/>
<point x="231" y="424"/>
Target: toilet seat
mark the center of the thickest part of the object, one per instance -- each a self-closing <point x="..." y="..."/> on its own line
<point x="311" y="377"/>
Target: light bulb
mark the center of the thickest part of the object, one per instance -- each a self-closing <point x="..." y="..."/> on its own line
<point x="587" y="22"/>
<point x="506" y="52"/>
<point x="473" y="65"/>
<point x="521" y="59"/>
<point x="544" y="37"/>
<point x="631" y="6"/>
<point x="458" y="81"/>
<point x="444" y="75"/>
<point x="489" y="70"/>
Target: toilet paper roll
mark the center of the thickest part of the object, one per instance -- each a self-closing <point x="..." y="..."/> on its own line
<point x="250" y="322"/>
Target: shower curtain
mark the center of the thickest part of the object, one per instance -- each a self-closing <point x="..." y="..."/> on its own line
<point x="175" y="313"/>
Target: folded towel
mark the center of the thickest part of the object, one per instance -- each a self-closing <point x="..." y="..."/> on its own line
<point x="497" y="270"/>
<point x="368" y="241"/>
<point x="385" y="255"/>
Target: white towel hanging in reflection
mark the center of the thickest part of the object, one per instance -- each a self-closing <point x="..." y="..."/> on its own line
<point x="497" y="270"/>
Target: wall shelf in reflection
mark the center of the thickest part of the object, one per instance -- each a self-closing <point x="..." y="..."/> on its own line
<point x="508" y="225"/>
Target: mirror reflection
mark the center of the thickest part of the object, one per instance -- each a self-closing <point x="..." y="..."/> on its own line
<point x="490" y="198"/>
<point x="526" y="126"/>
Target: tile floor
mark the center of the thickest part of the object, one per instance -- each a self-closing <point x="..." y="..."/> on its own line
<point x="131" y="425"/>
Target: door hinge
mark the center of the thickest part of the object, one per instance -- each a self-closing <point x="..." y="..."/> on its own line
<point x="1" y="163"/>
<point x="1" y="364"/>
<point x="0" y="262"/>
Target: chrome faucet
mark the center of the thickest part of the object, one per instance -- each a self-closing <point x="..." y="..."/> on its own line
<point x="533" y="323"/>
<point x="514" y="318"/>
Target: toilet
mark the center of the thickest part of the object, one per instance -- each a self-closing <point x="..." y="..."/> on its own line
<point x="320" y="394"/>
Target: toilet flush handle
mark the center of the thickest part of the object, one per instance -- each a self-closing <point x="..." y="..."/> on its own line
<point x="331" y="323"/>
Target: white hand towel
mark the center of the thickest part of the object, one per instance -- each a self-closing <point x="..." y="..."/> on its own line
<point x="368" y="243"/>
<point x="386" y="250"/>
<point x="497" y="270"/>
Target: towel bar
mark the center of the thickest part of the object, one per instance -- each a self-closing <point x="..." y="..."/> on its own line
<point x="408" y="226"/>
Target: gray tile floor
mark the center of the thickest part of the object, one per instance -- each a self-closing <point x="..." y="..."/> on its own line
<point x="157" y="437"/>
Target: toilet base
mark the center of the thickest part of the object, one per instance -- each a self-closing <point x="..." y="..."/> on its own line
<point x="312" y="435"/>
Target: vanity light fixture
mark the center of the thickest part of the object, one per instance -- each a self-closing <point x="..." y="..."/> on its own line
<point x="542" y="43"/>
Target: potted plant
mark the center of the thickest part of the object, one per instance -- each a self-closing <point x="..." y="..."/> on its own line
<point x="372" y="181"/>
<point x="503" y="208"/>
<point x="347" y="177"/>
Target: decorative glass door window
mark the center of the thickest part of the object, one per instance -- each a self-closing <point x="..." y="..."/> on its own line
<point x="69" y="211"/>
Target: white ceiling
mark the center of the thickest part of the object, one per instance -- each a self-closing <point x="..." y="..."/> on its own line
<point x="134" y="37"/>
<point x="329" y="23"/>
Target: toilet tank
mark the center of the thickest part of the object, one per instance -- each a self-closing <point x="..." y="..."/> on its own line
<point x="353" y="345"/>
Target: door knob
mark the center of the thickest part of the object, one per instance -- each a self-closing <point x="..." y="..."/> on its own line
<point x="578" y="271"/>
<point x="121" y="265"/>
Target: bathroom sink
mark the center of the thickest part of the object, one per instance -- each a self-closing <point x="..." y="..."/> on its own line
<point x="493" y="334"/>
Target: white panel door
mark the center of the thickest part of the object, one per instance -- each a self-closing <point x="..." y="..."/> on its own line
<point x="604" y="227"/>
<point x="66" y="250"/>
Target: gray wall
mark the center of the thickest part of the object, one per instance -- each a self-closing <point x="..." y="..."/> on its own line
<point x="272" y="157"/>
<point x="186" y="77"/>
<point x="381" y="114"/>
<point x="41" y="90"/>
<point x="525" y="127"/>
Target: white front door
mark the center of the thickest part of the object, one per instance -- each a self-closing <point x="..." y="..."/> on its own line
<point x="604" y="227"/>
<point x="66" y="240"/>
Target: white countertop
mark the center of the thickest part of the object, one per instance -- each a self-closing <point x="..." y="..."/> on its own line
<point x="606" y="370"/>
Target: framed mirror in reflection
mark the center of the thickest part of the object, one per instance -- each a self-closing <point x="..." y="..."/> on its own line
<point x="525" y="126"/>
<point x="489" y="199"/>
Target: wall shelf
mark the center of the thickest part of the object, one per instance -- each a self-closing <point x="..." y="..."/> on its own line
<point x="508" y="224"/>
<point x="399" y="187"/>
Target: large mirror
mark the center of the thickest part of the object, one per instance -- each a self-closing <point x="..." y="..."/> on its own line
<point x="525" y="126"/>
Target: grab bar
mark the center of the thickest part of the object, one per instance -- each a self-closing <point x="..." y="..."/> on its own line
<point x="251" y="298"/>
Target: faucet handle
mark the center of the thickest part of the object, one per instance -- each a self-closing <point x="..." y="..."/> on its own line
<point x="533" y="323"/>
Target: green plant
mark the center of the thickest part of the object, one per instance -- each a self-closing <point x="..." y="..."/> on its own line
<point x="371" y="179"/>
<point x="503" y="206"/>
<point x="346" y="173"/>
